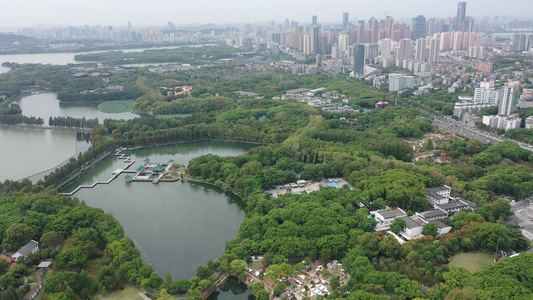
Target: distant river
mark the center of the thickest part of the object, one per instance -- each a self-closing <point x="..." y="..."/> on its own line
<point x="177" y="226"/>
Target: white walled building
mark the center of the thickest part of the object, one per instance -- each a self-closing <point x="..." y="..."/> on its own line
<point x="507" y="103"/>
<point x="398" y="82"/>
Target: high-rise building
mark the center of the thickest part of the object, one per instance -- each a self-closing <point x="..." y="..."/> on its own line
<point x="371" y="52"/>
<point x="386" y="47"/>
<point x="486" y="93"/>
<point x="345" y="18"/>
<point x="375" y="29"/>
<point x="434" y="50"/>
<point x="276" y="37"/>
<point x="421" y="49"/>
<point x="405" y="49"/>
<point x="247" y="43"/>
<point x="507" y="103"/>
<point x="398" y="82"/>
<point x="461" y="15"/>
<point x="522" y="41"/>
<point x="314" y="21"/>
<point x="418" y="28"/>
<point x="314" y="40"/>
<point x="359" y="59"/>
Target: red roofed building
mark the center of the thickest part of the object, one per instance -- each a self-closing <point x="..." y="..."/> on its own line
<point x="10" y="260"/>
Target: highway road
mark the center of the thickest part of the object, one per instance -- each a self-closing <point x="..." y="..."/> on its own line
<point x="458" y="128"/>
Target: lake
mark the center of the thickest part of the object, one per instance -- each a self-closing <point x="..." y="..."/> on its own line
<point x="34" y="153"/>
<point x="28" y="151"/>
<point x="233" y="289"/>
<point x="44" y="105"/>
<point x="65" y="58"/>
<point x="176" y="226"/>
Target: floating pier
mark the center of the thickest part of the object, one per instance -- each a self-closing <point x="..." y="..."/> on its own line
<point x="149" y="172"/>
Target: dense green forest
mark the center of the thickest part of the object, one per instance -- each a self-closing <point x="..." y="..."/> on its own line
<point x="190" y="55"/>
<point x="77" y="236"/>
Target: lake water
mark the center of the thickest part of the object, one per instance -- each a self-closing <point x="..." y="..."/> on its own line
<point x="27" y="151"/>
<point x="44" y="105"/>
<point x="63" y="58"/>
<point x="233" y="289"/>
<point x="176" y="226"/>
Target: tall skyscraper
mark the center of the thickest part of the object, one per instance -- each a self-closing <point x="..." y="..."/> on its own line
<point x="405" y="49"/>
<point x="345" y="18"/>
<point x="375" y="30"/>
<point x="507" y="103"/>
<point x="461" y="15"/>
<point x="314" y="21"/>
<point x="434" y="50"/>
<point x="419" y="28"/>
<point x="359" y="59"/>
<point x="314" y="40"/>
<point x="421" y="50"/>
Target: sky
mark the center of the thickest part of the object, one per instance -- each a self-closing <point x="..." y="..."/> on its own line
<point x="21" y="13"/>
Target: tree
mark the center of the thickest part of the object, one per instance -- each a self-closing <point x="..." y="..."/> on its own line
<point x="236" y="267"/>
<point x="280" y="288"/>
<point x="430" y="229"/>
<point x="263" y="295"/>
<point x="397" y="225"/>
<point x="429" y="144"/>
<point x="334" y="282"/>
<point x="51" y="240"/>
<point x="3" y="266"/>
<point x="456" y="276"/>
<point x="409" y="289"/>
<point x="474" y="146"/>
<point x="16" y="236"/>
<point x="71" y="259"/>
<point x="164" y="295"/>
<point x="203" y="272"/>
<point x="500" y="208"/>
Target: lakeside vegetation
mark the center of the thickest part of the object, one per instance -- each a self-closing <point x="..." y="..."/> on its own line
<point x="190" y="55"/>
<point x="372" y="150"/>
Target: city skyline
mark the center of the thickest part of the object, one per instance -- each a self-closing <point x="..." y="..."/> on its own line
<point x="25" y="13"/>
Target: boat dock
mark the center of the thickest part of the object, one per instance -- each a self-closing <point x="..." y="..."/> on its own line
<point x="149" y="172"/>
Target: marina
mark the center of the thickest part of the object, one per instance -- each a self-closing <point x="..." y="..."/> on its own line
<point x="149" y="172"/>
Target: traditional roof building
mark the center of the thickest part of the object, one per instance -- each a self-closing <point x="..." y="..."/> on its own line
<point x="31" y="247"/>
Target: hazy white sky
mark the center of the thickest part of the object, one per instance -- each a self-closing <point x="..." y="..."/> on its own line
<point x="15" y="13"/>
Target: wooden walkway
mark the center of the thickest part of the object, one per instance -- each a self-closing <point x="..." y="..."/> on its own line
<point x="117" y="173"/>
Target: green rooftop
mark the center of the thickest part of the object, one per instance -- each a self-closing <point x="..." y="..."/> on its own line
<point x="158" y="168"/>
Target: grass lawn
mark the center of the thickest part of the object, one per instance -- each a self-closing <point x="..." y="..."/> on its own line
<point x="94" y="266"/>
<point x="472" y="261"/>
<point x="113" y="107"/>
<point x="129" y="292"/>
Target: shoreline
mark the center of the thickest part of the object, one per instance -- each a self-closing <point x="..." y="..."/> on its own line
<point x="81" y="172"/>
